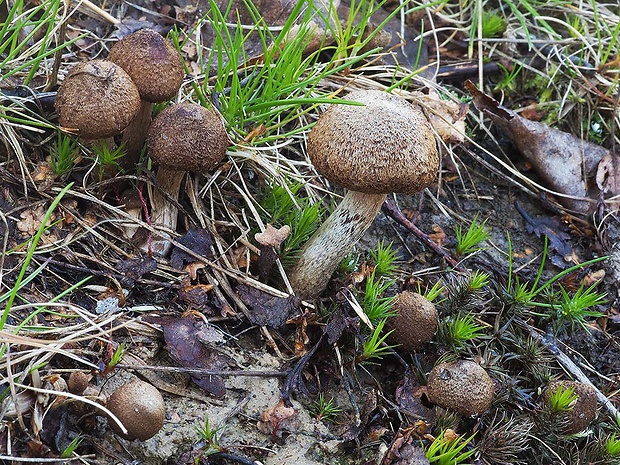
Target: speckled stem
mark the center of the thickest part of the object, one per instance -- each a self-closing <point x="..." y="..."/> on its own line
<point x="134" y="136"/>
<point x="163" y="212"/>
<point x="332" y="241"/>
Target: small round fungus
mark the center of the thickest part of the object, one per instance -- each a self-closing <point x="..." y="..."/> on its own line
<point x="140" y="408"/>
<point x="97" y="99"/>
<point x="152" y="62"/>
<point x="462" y="386"/>
<point x="582" y="411"/>
<point x="415" y="322"/>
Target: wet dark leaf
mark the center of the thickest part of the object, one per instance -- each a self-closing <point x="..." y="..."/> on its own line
<point x="266" y="309"/>
<point x="266" y="261"/>
<point x="198" y="297"/>
<point x="55" y="428"/>
<point x="338" y="324"/>
<point x="134" y="268"/>
<point x="190" y="344"/>
<point x="562" y="254"/>
<point x="566" y="163"/>
<point x="407" y="399"/>
<point x="198" y="241"/>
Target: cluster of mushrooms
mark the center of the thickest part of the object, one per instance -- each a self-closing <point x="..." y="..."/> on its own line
<point x="100" y="99"/>
<point x="379" y="144"/>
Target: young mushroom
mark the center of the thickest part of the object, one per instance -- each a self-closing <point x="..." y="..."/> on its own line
<point x="184" y="137"/>
<point x="462" y="386"/>
<point x="583" y="409"/>
<point x="97" y="99"/>
<point x="384" y="146"/>
<point x="415" y="322"/>
<point x="140" y="408"/>
<point x="156" y="68"/>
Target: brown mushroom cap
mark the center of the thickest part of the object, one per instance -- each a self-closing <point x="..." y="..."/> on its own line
<point x="415" y="322"/>
<point x="187" y="137"/>
<point x="462" y="386"/>
<point x="98" y="99"/>
<point x="152" y="62"/>
<point x="78" y="382"/>
<point x="584" y="408"/>
<point x="385" y="146"/>
<point x="140" y="407"/>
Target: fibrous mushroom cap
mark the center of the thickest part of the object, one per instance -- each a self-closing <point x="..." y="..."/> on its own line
<point x="462" y="386"/>
<point x="415" y="322"/>
<point x="584" y="408"/>
<point x="187" y="137"/>
<point x="140" y="407"/>
<point x="98" y="99"/>
<point x="152" y="62"/>
<point x="385" y="146"/>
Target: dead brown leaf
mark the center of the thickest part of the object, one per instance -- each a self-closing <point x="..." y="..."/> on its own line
<point x="273" y="419"/>
<point x="566" y="163"/>
<point x="273" y="237"/>
<point x="191" y="344"/>
<point x="265" y="309"/>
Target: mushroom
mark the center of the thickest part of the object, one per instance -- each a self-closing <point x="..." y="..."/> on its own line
<point x="183" y="137"/>
<point x="415" y="322"/>
<point x="78" y="382"/>
<point x="385" y="145"/>
<point x="583" y="409"/>
<point x="97" y="99"/>
<point x="140" y="408"/>
<point x="462" y="386"/>
<point x="157" y="70"/>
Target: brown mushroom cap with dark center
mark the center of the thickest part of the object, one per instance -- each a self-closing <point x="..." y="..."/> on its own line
<point x="415" y="322"/>
<point x="385" y="146"/>
<point x="98" y="99"/>
<point x="583" y="410"/>
<point x="140" y="408"/>
<point x="187" y="137"/>
<point x="462" y="386"/>
<point x="152" y="62"/>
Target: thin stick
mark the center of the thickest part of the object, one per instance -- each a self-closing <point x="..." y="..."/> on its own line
<point x="203" y="371"/>
<point x="390" y="210"/>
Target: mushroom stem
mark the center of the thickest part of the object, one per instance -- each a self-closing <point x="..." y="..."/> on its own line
<point x="135" y="135"/>
<point x="164" y="212"/>
<point x="332" y="241"/>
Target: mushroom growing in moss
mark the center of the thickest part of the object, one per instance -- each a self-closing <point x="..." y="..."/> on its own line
<point x="415" y="322"/>
<point x="97" y="99"/>
<point x="140" y="408"/>
<point x="156" y="68"/>
<point x="462" y="386"/>
<point x="582" y="410"/>
<point x="384" y="145"/>
<point x="184" y="137"/>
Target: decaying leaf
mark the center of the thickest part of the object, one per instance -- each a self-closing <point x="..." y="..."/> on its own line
<point x="199" y="241"/>
<point x="273" y="419"/>
<point x="566" y="163"/>
<point x="447" y="117"/>
<point x="608" y="174"/>
<point x="273" y="237"/>
<point x="266" y="309"/>
<point x="562" y="254"/>
<point x="190" y="343"/>
<point x="134" y="268"/>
